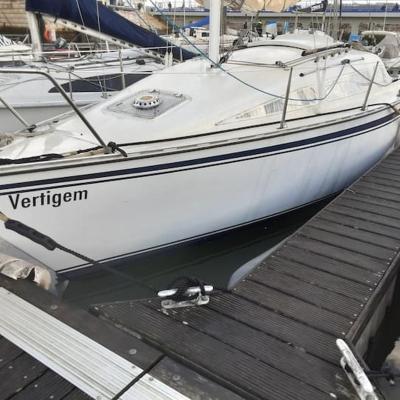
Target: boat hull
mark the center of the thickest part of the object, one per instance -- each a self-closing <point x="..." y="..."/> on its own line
<point x="114" y="210"/>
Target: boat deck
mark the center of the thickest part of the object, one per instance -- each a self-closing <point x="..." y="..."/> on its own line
<point x="273" y="337"/>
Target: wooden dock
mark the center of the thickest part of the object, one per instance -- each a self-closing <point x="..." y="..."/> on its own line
<point x="273" y="337"/>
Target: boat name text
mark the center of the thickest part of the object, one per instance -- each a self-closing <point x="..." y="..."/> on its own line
<point x="47" y="199"/>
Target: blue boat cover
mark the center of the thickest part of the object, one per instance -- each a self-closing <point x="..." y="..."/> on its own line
<point x="198" y="24"/>
<point x="88" y="14"/>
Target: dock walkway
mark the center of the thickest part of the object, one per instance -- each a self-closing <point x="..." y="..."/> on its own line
<point x="273" y="337"/>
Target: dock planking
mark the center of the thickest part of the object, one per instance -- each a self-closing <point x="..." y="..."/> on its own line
<point x="270" y="338"/>
<point x="24" y="378"/>
<point x="320" y="285"/>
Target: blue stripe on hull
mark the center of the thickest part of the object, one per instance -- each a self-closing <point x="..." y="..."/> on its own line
<point x="198" y="163"/>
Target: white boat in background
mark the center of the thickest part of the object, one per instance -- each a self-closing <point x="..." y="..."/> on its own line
<point x="9" y="49"/>
<point x="386" y="45"/>
<point x="206" y="147"/>
<point x="199" y="39"/>
<point x="89" y="78"/>
<point x="199" y="36"/>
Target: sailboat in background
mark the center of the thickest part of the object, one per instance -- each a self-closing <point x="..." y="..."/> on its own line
<point x="9" y="50"/>
<point x="89" y="78"/>
<point x="386" y="45"/>
<point x="201" y="147"/>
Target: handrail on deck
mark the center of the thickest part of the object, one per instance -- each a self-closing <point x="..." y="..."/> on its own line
<point x="285" y="106"/>
<point x="63" y="94"/>
<point x="371" y="82"/>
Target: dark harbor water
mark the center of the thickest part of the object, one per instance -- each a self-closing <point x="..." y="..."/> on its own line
<point x="213" y="260"/>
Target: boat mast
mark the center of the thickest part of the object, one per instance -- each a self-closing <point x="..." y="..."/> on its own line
<point x="215" y="28"/>
<point x="35" y="35"/>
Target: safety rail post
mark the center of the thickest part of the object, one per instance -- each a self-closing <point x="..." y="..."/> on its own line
<point x="70" y="85"/>
<point x="15" y="113"/>
<point x="64" y="94"/>
<point x="121" y="65"/>
<point x="285" y="105"/>
<point x="364" y="107"/>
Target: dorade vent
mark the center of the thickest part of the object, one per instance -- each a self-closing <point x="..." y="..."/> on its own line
<point x="147" y="101"/>
<point x="149" y="104"/>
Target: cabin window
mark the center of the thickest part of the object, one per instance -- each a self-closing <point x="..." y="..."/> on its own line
<point x="274" y="106"/>
<point x="372" y="39"/>
<point x="306" y="96"/>
<point x="104" y="83"/>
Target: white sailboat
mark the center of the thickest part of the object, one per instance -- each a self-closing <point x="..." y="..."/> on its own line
<point x="9" y="49"/>
<point x="210" y="145"/>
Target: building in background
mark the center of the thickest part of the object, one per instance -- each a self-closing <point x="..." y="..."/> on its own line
<point x="12" y="16"/>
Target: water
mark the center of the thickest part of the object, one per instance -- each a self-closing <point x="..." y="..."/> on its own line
<point x="212" y="260"/>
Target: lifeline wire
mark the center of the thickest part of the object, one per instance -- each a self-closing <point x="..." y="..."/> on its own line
<point x="219" y="66"/>
<point x="366" y="77"/>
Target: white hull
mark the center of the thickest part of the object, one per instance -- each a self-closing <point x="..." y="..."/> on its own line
<point x="149" y="202"/>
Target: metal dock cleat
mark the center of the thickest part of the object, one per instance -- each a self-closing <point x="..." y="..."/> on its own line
<point x="355" y="372"/>
<point x="186" y="296"/>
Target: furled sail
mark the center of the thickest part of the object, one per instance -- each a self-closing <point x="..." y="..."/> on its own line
<point x="254" y="5"/>
<point x="96" y="16"/>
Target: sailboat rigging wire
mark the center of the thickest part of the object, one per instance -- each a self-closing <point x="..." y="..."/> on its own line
<point x="384" y="19"/>
<point x="137" y="12"/>
<point x="81" y="16"/>
<point x="249" y="85"/>
<point x="370" y="15"/>
<point x="87" y="37"/>
<point x="284" y="97"/>
<point x="75" y="75"/>
<point x="90" y="82"/>
<point x="179" y="30"/>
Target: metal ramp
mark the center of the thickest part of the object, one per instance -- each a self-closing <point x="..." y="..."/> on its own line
<point x="89" y="366"/>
